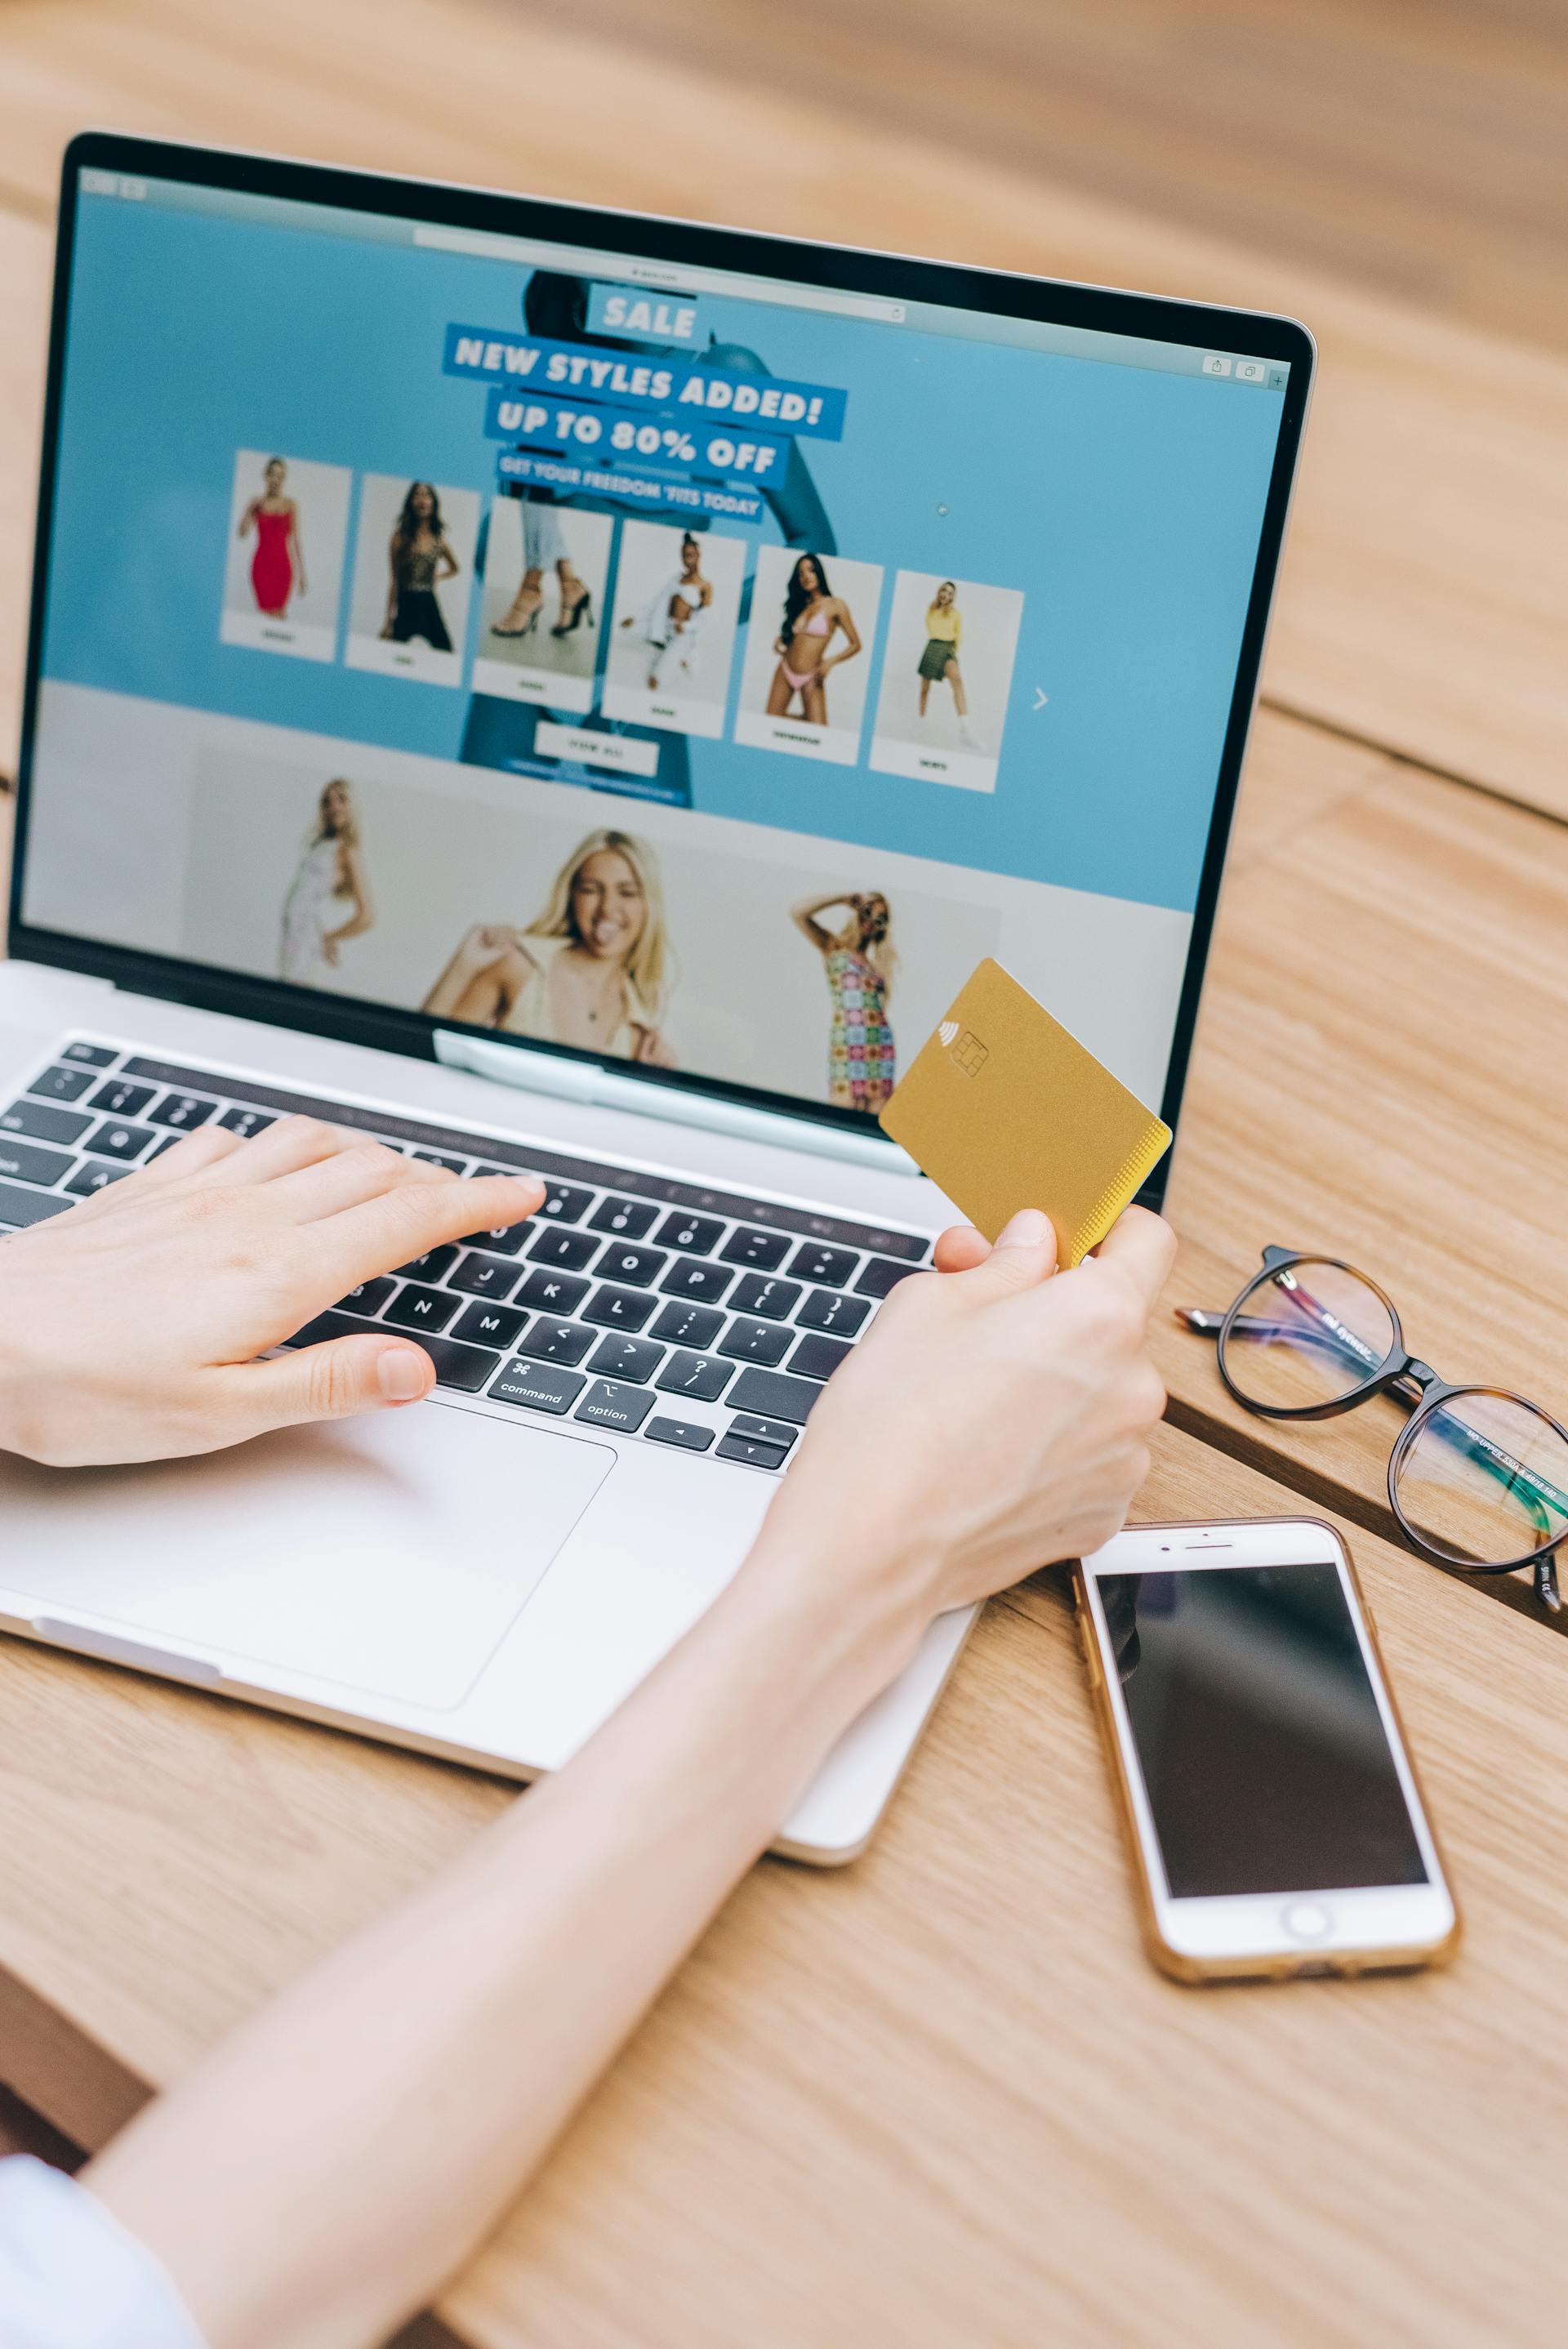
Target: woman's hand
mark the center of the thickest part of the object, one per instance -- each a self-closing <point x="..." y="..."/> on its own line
<point x="993" y="1420"/>
<point x="329" y="953"/>
<point x="129" y="1327"/>
<point x="652" y="1051"/>
<point x="485" y="943"/>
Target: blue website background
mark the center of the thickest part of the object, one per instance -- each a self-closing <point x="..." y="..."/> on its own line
<point x="1124" y="502"/>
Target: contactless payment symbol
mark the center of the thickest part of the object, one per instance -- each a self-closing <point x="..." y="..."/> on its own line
<point x="948" y="1030"/>
<point x="969" y="1053"/>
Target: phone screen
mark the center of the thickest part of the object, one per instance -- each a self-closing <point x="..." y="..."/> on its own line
<point x="1256" y="1726"/>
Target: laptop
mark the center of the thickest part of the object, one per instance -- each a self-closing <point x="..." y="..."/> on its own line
<point x="559" y="689"/>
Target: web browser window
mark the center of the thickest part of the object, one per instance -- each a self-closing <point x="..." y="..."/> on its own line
<point x="696" y="669"/>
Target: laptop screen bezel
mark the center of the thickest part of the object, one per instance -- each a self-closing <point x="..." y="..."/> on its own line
<point x="838" y="267"/>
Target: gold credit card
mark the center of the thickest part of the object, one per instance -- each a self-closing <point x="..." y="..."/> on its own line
<point x="1005" y="1109"/>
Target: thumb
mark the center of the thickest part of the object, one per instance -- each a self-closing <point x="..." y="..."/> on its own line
<point x="337" y="1380"/>
<point x="1024" y="1256"/>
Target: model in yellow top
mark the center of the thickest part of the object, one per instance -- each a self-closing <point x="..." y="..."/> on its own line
<point x="939" y="661"/>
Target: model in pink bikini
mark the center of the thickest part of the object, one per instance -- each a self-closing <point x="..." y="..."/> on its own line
<point x="812" y="613"/>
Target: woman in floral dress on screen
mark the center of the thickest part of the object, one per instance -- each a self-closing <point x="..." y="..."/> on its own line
<point x="859" y="958"/>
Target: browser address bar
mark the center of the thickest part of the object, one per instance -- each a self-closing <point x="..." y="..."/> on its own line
<point x="627" y="271"/>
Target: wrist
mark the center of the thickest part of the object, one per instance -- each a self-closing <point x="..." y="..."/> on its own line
<point x="843" y="1621"/>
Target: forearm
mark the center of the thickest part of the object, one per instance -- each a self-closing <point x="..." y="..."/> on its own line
<point x="451" y="987"/>
<point x="322" y="2175"/>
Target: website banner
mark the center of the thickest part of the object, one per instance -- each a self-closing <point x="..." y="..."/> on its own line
<point x="846" y="596"/>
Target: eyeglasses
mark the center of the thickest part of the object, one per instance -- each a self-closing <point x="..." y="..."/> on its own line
<point x="1479" y="1477"/>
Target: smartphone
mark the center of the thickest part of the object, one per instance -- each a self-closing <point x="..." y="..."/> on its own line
<point x="1275" y="1820"/>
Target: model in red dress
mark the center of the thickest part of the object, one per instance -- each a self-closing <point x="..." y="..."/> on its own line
<point x="277" y="567"/>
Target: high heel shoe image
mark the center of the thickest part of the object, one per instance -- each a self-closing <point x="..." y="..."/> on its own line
<point x="582" y="610"/>
<point x="527" y="629"/>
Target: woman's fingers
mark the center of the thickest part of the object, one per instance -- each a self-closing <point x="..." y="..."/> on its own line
<point x="193" y="1154"/>
<point x="1024" y="1255"/>
<point x="291" y="1143"/>
<point x="363" y="1240"/>
<point x="1143" y="1248"/>
<point x="347" y="1177"/>
<point x="960" y="1248"/>
<point x="337" y="1380"/>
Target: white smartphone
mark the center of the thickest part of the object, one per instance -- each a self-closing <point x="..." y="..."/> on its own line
<point x="1273" y="1817"/>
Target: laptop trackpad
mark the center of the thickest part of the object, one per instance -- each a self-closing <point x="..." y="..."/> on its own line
<point x="390" y="1554"/>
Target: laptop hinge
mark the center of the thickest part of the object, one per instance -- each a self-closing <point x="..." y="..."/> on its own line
<point x="579" y="1080"/>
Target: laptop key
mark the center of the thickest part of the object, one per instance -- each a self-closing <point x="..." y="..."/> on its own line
<point x="879" y="1275"/>
<point x="817" y="1357"/>
<point x="92" y="1056"/>
<point x="183" y="1112"/>
<point x="506" y="1239"/>
<point x="697" y="1234"/>
<point x="486" y="1276"/>
<point x="466" y="1368"/>
<point x="690" y="1279"/>
<point x="368" y="1298"/>
<point x="535" y="1388"/>
<point x="562" y="1205"/>
<point x="246" y="1123"/>
<point x="750" y="1451"/>
<point x="19" y="1207"/>
<point x="62" y="1084"/>
<point x="429" y="1267"/>
<point x="422" y="1308"/>
<point x="489" y="1325"/>
<point x="41" y="1122"/>
<point x="435" y="1158"/>
<point x="832" y="1310"/>
<point x="94" y="1175"/>
<point x="767" y="1431"/>
<point x="638" y="1266"/>
<point x="628" y="1219"/>
<point x="690" y="1434"/>
<point x="119" y="1100"/>
<point x="687" y="1325"/>
<point x="773" y="1298"/>
<point x="621" y="1408"/>
<point x="29" y="1162"/>
<point x="829" y="1266"/>
<point x="551" y="1292"/>
<point x="627" y="1358"/>
<point x="114" y="1141"/>
<point x="771" y="1395"/>
<point x="702" y="1376"/>
<point x="619" y="1309"/>
<point x="756" y="1342"/>
<point x="567" y="1251"/>
<point x="765" y="1252"/>
<point x="557" y="1342"/>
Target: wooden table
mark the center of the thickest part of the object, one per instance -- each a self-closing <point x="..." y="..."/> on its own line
<point x="941" y="2096"/>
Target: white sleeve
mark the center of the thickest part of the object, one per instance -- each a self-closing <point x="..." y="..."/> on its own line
<point x="70" y="2275"/>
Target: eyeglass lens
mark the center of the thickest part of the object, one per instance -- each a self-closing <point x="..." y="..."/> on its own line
<point x="1308" y="1334"/>
<point x="1485" y="1479"/>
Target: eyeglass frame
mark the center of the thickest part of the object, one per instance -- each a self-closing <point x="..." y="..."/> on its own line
<point x="1410" y="1381"/>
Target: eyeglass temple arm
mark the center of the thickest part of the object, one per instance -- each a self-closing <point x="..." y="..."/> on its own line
<point x="1540" y="1496"/>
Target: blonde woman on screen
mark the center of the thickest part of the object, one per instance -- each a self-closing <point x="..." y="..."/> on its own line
<point x="592" y="969"/>
<point x="858" y="960"/>
<point x="330" y="883"/>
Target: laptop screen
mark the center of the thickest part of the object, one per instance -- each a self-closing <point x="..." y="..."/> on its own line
<point x="690" y="664"/>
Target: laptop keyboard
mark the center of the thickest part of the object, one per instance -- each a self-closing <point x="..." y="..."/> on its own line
<point x="656" y="1307"/>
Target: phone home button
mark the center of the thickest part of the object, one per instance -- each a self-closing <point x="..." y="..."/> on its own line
<point x="1307" y="1920"/>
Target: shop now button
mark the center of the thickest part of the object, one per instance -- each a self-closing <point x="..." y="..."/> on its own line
<point x="625" y="753"/>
